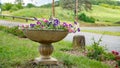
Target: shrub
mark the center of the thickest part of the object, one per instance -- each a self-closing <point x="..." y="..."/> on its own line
<point x="85" y="18"/>
<point x="13" y="30"/>
<point x="14" y="8"/>
<point x="7" y="6"/>
<point x="30" y="5"/>
<point x="95" y="51"/>
<point x="109" y="56"/>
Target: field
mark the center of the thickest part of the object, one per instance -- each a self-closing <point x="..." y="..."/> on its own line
<point x="101" y="14"/>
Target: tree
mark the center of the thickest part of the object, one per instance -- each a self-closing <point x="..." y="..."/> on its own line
<point x="30" y="5"/>
<point x="70" y="4"/>
<point x="110" y="2"/>
<point x="7" y="6"/>
<point x="18" y="1"/>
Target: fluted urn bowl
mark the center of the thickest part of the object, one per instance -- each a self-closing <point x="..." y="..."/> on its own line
<point x="45" y="38"/>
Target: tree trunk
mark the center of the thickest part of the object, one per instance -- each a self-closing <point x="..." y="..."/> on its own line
<point x="79" y="42"/>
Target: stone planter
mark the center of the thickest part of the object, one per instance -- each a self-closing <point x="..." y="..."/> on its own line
<point x="45" y="38"/>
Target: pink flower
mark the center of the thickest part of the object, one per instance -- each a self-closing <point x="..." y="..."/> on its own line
<point x="113" y="52"/>
<point x="45" y="20"/>
<point x="117" y="53"/>
<point x="71" y="30"/>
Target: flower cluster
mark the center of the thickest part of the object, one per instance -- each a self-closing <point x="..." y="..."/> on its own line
<point x="115" y="52"/>
<point x="117" y="58"/>
<point x="51" y="24"/>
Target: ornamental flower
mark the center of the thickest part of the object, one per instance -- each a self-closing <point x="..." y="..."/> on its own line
<point x="52" y="24"/>
<point x="32" y="25"/>
<point x="45" y="20"/>
<point x="38" y="22"/>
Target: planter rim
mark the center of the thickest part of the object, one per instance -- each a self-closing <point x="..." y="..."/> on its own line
<point x="58" y="30"/>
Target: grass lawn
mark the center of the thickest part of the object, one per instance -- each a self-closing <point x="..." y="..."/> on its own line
<point x="16" y="52"/>
<point x="104" y="14"/>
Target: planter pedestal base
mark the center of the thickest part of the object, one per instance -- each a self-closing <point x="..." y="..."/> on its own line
<point x="50" y="61"/>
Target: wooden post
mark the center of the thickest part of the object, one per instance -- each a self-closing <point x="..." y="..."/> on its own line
<point x="79" y="42"/>
<point x="53" y="8"/>
<point x="76" y="8"/>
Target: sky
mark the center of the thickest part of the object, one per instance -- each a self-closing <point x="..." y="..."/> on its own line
<point x="35" y="2"/>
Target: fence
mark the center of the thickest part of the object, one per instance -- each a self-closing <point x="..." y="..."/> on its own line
<point x="22" y="17"/>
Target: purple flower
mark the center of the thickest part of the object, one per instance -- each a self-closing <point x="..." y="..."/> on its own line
<point x="75" y="22"/>
<point x="78" y="29"/>
<point x="55" y="24"/>
<point x="70" y="25"/>
<point x="65" y="24"/>
<point x="56" y="21"/>
<point x="38" y="22"/>
<point x="35" y="18"/>
<point x="32" y="25"/>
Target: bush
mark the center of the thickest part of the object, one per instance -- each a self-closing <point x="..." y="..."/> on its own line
<point x="85" y="18"/>
<point x="19" y="6"/>
<point x="109" y="56"/>
<point x="13" y="30"/>
<point x="7" y="6"/>
<point x="95" y="51"/>
<point x="29" y="5"/>
<point x="14" y="8"/>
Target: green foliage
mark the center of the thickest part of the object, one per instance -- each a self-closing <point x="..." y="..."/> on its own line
<point x="108" y="56"/>
<point x="19" y="6"/>
<point x="110" y="6"/>
<point x="104" y="15"/>
<point x="7" y="6"/>
<point x="13" y="30"/>
<point x="85" y="18"/>
<point x="11" y="7"/>
<point x="67" y="61"/>
<point x="30" y="5"/>
<point x="70" y="4"/>
<point x="14" y="8"/>
<point x="95" y="51"/>
<point x="49" y="5"/>
<point x="45" y="13"/>
<point x="46" y="6"/>
<point x="118" y="62"/>
<point x="110" y="2"/>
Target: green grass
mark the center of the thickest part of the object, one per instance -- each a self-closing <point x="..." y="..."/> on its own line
<point x="105" y="14"/>
<point x="16" y="51"/>
<point x="100" y="13"/>
<point x="103" y="32"/>
<point x="45" y="13"/>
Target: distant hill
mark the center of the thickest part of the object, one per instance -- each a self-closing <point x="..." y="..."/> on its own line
<point x="101" y="14"/>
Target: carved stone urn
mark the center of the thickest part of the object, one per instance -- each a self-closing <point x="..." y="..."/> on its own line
<point x="45" y="38"/>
